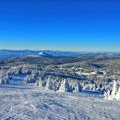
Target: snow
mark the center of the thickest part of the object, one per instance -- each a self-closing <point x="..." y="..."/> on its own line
<point x="115" y="93"/>
<point x="61" y="84"/>
<point x="28" y="102"/>
<point x="41" y="53"/>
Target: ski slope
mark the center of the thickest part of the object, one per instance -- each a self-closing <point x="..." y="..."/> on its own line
<point x="27" y="102"/>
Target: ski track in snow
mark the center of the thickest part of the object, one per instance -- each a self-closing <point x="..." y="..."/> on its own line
<point x="27" y="102"/>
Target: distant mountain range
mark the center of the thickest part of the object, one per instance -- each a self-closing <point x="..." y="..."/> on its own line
<point x="5" y="54"/>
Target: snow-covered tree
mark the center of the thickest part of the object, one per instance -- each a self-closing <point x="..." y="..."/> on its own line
<point x="115" y="93"/>
<point x="64" y="87"/>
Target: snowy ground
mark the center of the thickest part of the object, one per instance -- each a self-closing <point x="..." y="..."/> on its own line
<point x="26" y="102"/>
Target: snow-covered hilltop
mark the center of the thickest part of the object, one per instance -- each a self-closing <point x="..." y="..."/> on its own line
<point x="40" y="86"/>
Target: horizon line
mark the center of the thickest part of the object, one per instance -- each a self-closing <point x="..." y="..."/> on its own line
<point x="95" y="51"/>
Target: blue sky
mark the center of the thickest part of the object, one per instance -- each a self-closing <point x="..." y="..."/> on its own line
<point x="71" y="25"/>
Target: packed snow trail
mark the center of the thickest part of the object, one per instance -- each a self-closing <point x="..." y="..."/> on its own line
<point x="27" y="102"/>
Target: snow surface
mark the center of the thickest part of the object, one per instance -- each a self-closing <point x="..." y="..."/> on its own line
<point x="27" y="102"/>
